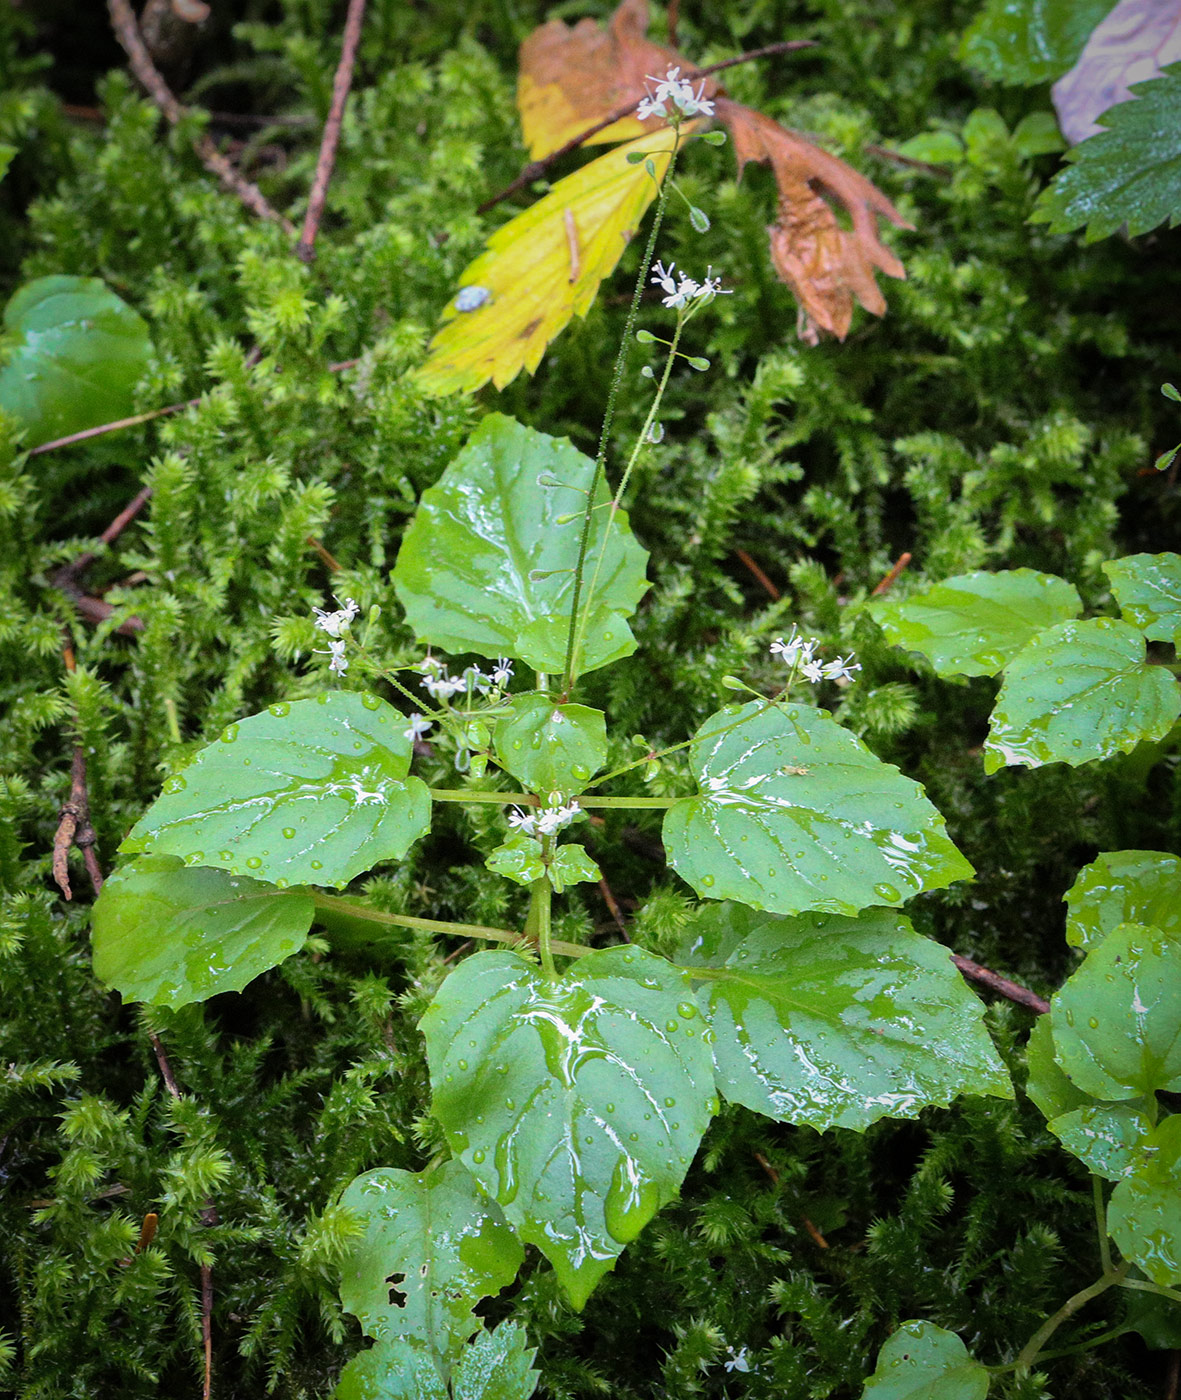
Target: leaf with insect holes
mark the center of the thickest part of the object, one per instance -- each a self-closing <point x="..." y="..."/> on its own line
<point x="576" y="1103"/>
<point x="312" y="792"/>
<point x="71" y="353"/>
<point x="1080" y="691"/>
<point x="432" y="1246"/>
<point x="836" y="1022"/>
<point x="170" y="935"/>
<point x="923" y="1362"/>
<point x="1124" y="887"/>
<point x="974" y="624"/>
<point x="795" y="813"/>
<point x="1147" y="588"/>
<point x="487" y="564"/>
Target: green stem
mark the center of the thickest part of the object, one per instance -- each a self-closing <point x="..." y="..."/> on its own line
<point x="526" y="799"/>
<point x="1144" y="1285"/>
<point x="330" y="907"/>
<point x="609" y="417"/>
<point x="1030" y="1351"/>
<point x="538" y="923"/>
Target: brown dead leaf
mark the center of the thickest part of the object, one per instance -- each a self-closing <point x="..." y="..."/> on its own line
<point x="1136" y="40"/>
<point x="571" y="78"/>
<point x="825" y="265"/>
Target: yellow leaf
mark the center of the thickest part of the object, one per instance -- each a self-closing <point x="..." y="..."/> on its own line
<point x="542" y="268"/>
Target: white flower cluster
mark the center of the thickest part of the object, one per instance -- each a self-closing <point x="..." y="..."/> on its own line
<point x="418" y="727"/>
<point x="546" y="822"/>
<point x="799" y="651"/>
<point x="441" y="686"/>
<point x="334" y="623"/>
<point x="686" y="289"/>
<point x="677" y="90"/>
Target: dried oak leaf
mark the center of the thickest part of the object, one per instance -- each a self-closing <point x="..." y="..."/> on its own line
<point x="825" y="265"/>
<point x="570" y="78"/>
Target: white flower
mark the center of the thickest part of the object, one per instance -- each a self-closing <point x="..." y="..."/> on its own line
<point x="441" y="686"/>
<point x="502" y="672"/>
<point x="340" y="662"/>
<point x="841" y="670"/>
<point x="476" y="679"/>
<point x="332" y="622"/>
<point x="685" y="289"/>
<point x="555" y="819"/>
<point x="812" y="671"/>
<point x="417" y="727"/>
<point x="795" y="649"/>
<point x="738" y="1361"/>
<point x="677" y="90"/>
<point x="429" y="665"/>
<point x="522" y="822"/>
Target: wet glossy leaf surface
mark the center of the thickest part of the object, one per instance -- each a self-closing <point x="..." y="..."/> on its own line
<point x="486" y="567"/>
<point x="837" y="1022"/>
<point x="577" y="1103"/>
<point x="1030" y="41"/>
<point x="312" y="792"/>
<point x="796" y="813"/>
<point x="974" y="624"/>
<point x="923" y="1362"/>
<point x="1124" y="887"/>
<point x="1147" y="588"/>
<point x="1048" y="1085"/>
<point x="169" y="935"/>
<point x="433" y="1246"/>
<point x="551" y="748"/>
<point x="1144" y="1213"/>
<point x="397" y="1370"/>
<point x="572" y="865"/>
<point x="497" y="1366"/>
<point x="1107" y="1138"/>
<point x="72" y="353"/>
<point x="1080" y="691"/>
<point x="1117" y="1021"/>
<point x="518" y="859"/>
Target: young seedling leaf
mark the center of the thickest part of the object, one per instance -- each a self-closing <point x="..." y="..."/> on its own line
<point x="541" y="269"/>
<point x="433" y="1245"/>
<point x="795" y="813"/>
<point x="923" y="1362"/>
<point x="1124" y="887"/>
<point x="1117" y="1020"/>
<point x="576" y="1103"/>
<point x="1144" y="1213"/>
<point x="572" y="865"/>
<point x="169" y="935"/>
<point x="1080" y="691"/>
<point x="837" y="1022"/>
<point x="392" y="1370"/>
<point x="1108" y="1138"/>
<point x="312" y="792"/>
<point x="486" y="567"/>
<point x="1129" y="174"/>
<point x="518" y="859"/>
<point x="974" y="624"/>
<point x="1148" y="590"/>
<point x="551" y="748"/>
<point x="1033" y="41"/>
<point x="72" y="353"/>
<point x="497" y="1366"/>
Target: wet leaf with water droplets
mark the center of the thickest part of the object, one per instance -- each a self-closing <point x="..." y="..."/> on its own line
<point x="397" y="1370"/>
<point x="1080" y="691"/>
<point x="974" y="624"/>
<point x="433" y="1245"/>
<point x="169" y="935"/>
<point x="923" y="1362"/>
<point x="486" y="566"/>
<point x="577" y="1103"/>
<point x="796" y="813"/>
<point x="1048" y="1084"/>
<point x="497" y="1366"/>
<point x="1108" y="1138"/>
<point x="1117" y="1021"/>
<point x="331" y="770"/>
<point x="837" y="1022"/>
<point x="551" y="748"/>
<point x="1147" y="588"/>
<point x="1124" y="887"/>
<point x="1144" y="1213"/>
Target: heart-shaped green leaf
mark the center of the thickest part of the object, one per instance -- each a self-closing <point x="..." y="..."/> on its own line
<point x="837" y="1022"/>
<point x="72" y="354"/>
<point x="1124" y="887"/>
<point x="397" y="1370"/>
<point x="1144" y="1213"/>
<point x="313" y="792"/>
<point x="796" y="813"/>
<point x="1108" y="1138"/>
<point x="1078" y="692"/>
<point x="1148" y="590"/>
<point x="974" y="624"/>
<point x="488" y="562"/>
<point x="1117" y="1021"/>
<point x="923" y="1362"/>
<point x="572" y="865"/>
<point x="433" y="1246"/>
<point x="1047" y="1084"/>
<point x="577" y="1103"/>
<point x="551" y="748"/>
<point x="606" y="638"/>
<point x="518" y="859"/>
<point x="169" y="935"/>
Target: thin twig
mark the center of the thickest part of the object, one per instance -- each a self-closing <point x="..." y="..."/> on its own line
<point x="536" y="168"/>
<point x="305" y="249"/>
<point x="613" y="907"/>
<point x="892" y="577"/>
<point x="75" y="829"/>
<point x="757" y="573"/>
<point x="165" y="1068"/>
<point x="328" y="561"/>
<point x="943" y="172"/>
<point x="126" y="29"/>
<point x="1174" y="1374"/>
<point x="1013" y="991"/>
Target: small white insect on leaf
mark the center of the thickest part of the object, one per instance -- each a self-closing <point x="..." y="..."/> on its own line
<point x="471" y="298"/>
